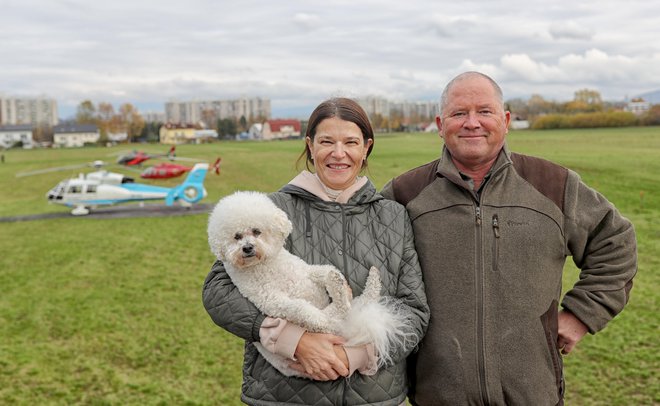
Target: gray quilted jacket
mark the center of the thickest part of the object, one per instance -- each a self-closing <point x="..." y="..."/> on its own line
<point x="368" y="230"/>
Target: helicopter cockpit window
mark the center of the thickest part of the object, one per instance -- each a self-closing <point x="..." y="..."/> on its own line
<point x="91" y="188"/>
<point x="75" y="189"/>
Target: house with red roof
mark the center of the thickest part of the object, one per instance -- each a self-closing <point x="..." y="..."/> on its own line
<point x="280" y="128"/>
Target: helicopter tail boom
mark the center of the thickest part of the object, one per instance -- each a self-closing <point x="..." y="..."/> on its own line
<point x="192" y="189"/>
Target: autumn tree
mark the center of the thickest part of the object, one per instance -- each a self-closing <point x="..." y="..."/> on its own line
<point x="584" y="101"/>
<point x="105" y="112"/>
<point x="86" y="113"/>
<point x="209" y="116"/>
<point x="652" y="116"/>
<point x="130" y="121"/>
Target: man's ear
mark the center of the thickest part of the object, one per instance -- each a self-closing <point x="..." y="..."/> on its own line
<point x="438" y="122"/>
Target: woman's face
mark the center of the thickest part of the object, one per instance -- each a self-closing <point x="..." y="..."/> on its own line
<point x="338" y="150"/>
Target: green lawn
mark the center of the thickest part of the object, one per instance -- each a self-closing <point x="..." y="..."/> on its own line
<point x="108" y="312"/>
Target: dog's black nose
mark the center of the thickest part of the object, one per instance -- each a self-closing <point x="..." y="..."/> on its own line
<point x="248" y="249"/>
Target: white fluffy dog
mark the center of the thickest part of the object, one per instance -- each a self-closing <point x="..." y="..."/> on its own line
<point x="247" y="232"/>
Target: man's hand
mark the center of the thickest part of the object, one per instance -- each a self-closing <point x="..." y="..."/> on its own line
<point x="570" y="331"/>
<point x="317" y="357"/>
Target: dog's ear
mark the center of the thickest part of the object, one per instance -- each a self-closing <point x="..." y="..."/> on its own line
<point x="217" y="246"/>
<point x="282" y="223"/>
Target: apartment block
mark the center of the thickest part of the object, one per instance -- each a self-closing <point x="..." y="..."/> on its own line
<point x="193" y="112"/>
<point x="33" y="111"/>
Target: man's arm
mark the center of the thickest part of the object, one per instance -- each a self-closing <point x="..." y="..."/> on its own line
<point x="604" y="248"/>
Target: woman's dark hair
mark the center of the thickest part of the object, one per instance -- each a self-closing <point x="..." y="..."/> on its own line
<point x="344" y="109"/>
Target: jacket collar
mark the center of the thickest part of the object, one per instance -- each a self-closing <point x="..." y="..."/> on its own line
<point x="307" y="188"/>
<point x="447" y="169"/>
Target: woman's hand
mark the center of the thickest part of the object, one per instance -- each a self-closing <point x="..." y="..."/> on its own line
<point x="321" y="356"/>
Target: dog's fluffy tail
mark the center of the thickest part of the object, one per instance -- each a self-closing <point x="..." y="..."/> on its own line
<point x="383" y="323"/>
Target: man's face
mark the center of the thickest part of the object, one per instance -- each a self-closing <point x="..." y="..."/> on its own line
<point x="473" y="123"/>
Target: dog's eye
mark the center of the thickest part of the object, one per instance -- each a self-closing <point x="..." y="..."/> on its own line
<point x="256" y="232"/>
<point x="238" y="236"/>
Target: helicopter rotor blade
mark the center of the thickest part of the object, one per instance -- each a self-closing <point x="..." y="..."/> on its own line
<point x="96" y="164"/>
<point x="183" y="159"/>
<point x="48" y="170"/>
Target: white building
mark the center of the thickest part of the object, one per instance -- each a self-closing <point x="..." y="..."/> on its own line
<point x="255" y="131"/>
<point x="33" y="111"/>
<point x="205" y="135"/>
<point x="76" y="135"/>
<point x="117" y="137"/>
<point x="638" y="106"/>
<point x="373" y="105"/>
<point x="12" y="134"/>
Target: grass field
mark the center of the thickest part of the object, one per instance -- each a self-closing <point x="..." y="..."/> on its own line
<point x="108" y="312"/>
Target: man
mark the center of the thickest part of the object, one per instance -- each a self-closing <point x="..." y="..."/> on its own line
<point x="492" y="231"/>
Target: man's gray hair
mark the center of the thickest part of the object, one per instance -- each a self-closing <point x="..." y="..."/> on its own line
<point x="468" y="75"/>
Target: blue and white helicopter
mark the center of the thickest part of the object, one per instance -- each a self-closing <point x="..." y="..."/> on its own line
<point x="84" y="193"/>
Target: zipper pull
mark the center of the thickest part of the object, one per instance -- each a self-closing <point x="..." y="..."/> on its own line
<point x="496" y="226"/>
<point x="478" y="215"/>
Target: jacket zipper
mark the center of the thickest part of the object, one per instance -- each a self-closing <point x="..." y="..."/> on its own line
<point x="481" y="303"/>
<point x="343" y="241"/>
<point x="496" y="245"/>
<point x="347" y="383"/>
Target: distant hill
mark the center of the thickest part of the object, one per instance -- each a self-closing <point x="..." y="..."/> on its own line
<point x="651" y="97"/>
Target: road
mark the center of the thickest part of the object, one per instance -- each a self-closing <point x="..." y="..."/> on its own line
<point x="126" y="211"/>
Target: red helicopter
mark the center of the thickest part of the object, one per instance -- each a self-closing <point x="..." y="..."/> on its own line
<point x="168" y="170"/>
<point x="137" y="157"/>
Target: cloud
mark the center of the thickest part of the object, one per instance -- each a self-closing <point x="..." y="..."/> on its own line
<point x="570" y="30"/>
<point x="309" y="21"/>
<point x="151" y="51"/>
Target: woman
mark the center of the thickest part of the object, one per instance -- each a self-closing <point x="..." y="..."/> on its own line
<point x="340" y="219"/>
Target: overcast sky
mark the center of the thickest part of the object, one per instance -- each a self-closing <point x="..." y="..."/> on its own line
<point x="298" y="53"/>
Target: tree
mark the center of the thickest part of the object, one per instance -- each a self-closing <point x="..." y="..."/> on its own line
<point x="151" y="131"/>
<point x="131" y="121"/>
<point x="377" y="121"/>
<point x="209" y="116"/>
<point x="517" y="107"/>
<point x="104" y="118"/>
<point x="538" y="105"/>
<point x="652" y="116"/>
<point x="86" y="113"/>
<point x="584" y="101"/>
<point x="226" y="127"/>
<point x="588" y="96"/>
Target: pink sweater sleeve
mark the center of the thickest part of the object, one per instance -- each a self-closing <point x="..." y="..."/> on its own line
<point x="363" y="359"/>
<point x="280" y="337"/>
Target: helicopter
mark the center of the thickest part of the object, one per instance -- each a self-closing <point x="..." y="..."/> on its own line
<point x="83" y="194"/>
<point x="138" y="157"/>
<point x="168" y="170"/>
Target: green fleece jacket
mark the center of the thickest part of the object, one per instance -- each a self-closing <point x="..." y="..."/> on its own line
<point x="492" y="267"/>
